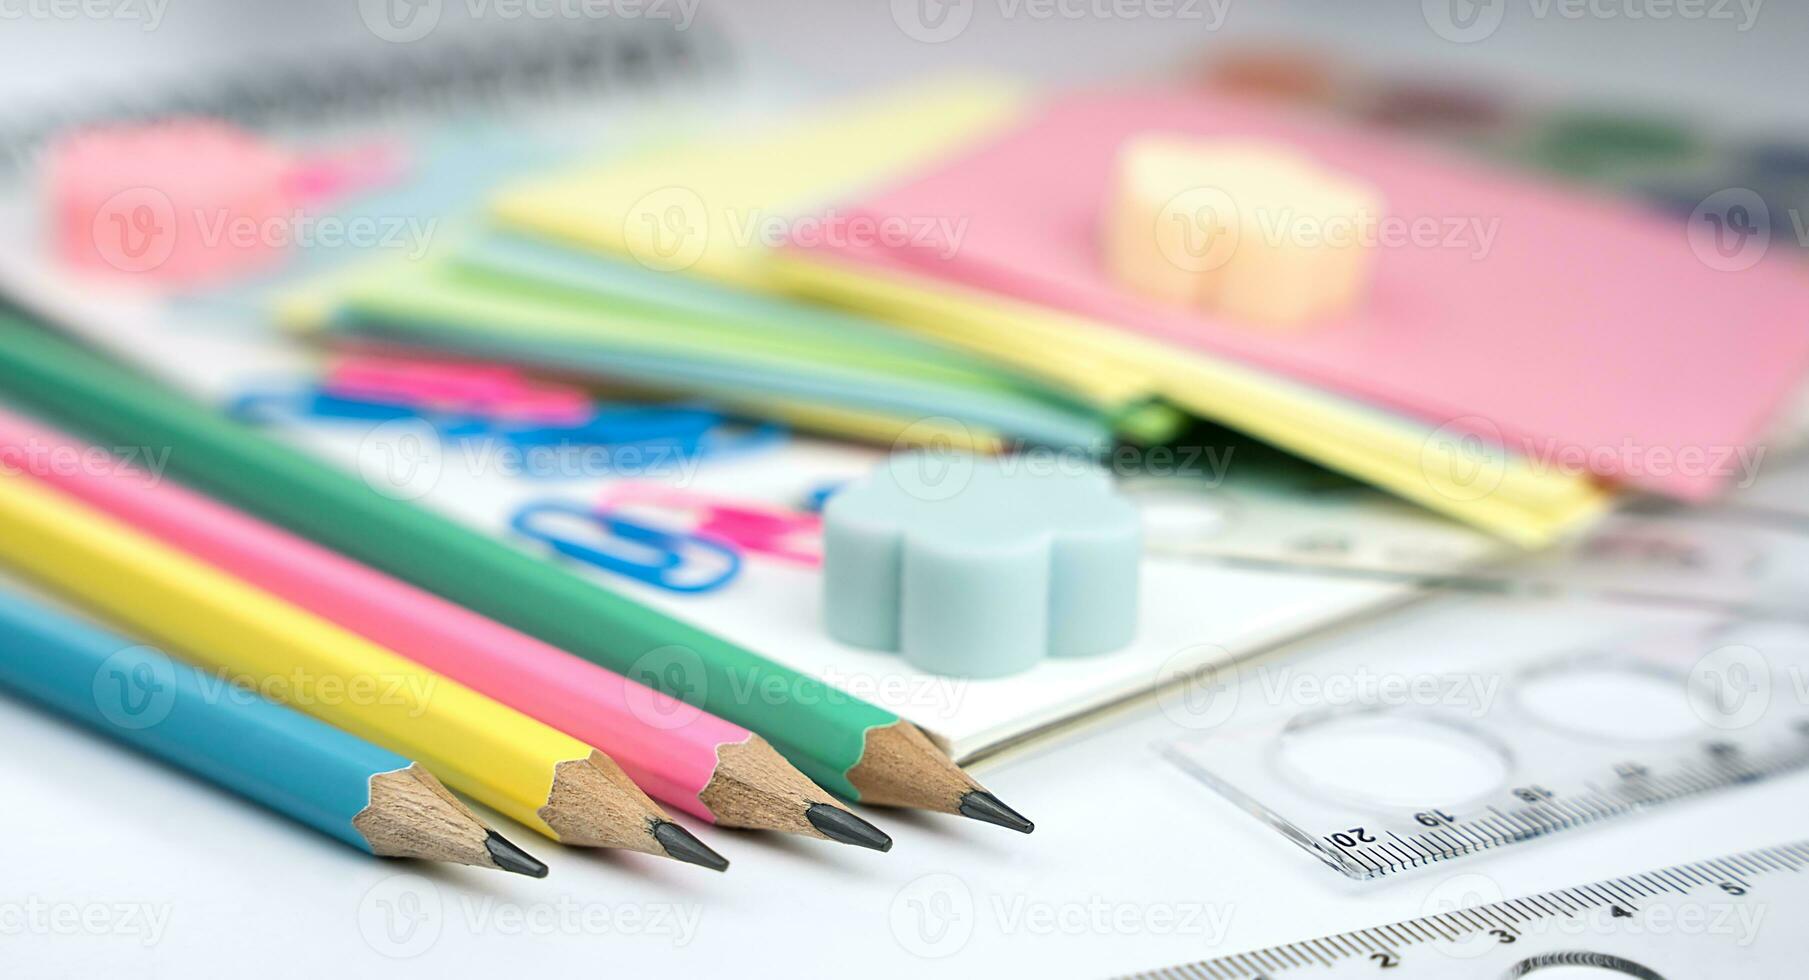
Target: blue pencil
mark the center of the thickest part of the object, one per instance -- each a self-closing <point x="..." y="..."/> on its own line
<point x="341" y="785"/>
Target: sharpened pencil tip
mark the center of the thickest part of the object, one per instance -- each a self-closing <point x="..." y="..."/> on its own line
<point x="978" y="804"/>
<point x="838" y="824"/>
<point x="511" y="858"/>
<point x="681" y="845"/>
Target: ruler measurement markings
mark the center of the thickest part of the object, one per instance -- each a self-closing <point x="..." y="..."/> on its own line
<point x="1367" y="862"/>
<point x="1427" y="842"/>
<point x="1732" y="872"/>
<point x="1431" y="929"/>
<point x="1480" y="914"/>
<point x="1567" y="902"/>
<point x="1695" y="872"/>
<point x="1552" y="908"/>
<point x="1341" y="950"/>
<point x="1778" y="862"/>
<point x="1399" y="855"/>
<point x="1471" y="919"/>
<point x="1415" y="843"/>
<point x="1483" y="841"/>
<point x="1460" y="837"/>
<point x="1401" y="937"/>
<point x="1417" y="929"/>
<point x="1506" y="910"/>
<point x="1607" y="899"/>
<point x="1496" y="911"/>
<point x="1459" y="923"/>
<point x="1746" y="866"/>
<point x="1269" y="961"/>
<point x="1690" y="883"/>
<point x="1577" y="810"/>
<point x="1632" y="899"/>
<point x="1652" y="882"/>
<point x="1684" y="885"/>
<point x="1638" y="884"/>
<point x="1456" y="922"/>
<point x="1618" y="888"/>
<point x="1659" y="881"/>
<point x="1758" y="864"/>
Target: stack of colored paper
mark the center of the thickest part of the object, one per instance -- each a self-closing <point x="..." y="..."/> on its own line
<point x="1573" y="344"/>
<point x="558" y="310"/>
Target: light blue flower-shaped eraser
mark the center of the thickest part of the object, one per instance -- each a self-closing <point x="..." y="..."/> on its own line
<point x="981" y="566"/>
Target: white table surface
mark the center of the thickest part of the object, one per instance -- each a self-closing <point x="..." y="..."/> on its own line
<point x="1134" y="864"/>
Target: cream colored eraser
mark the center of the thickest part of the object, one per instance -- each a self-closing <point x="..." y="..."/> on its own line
<point x="1250" y="229"/>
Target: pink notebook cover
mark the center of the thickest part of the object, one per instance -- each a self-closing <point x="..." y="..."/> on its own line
<point x="1582" y="332"/>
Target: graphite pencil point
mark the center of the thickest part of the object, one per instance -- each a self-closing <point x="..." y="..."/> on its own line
<point x="508" y="857"/>
<point x="681" y="845"/>
<point x="981" y="805"/>
<point x="838" y="824"/>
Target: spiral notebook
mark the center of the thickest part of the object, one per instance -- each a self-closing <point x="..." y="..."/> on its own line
<point x="523" y="69"/>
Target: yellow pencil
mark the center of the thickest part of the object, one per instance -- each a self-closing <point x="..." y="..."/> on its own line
<point x="517" y="766"/>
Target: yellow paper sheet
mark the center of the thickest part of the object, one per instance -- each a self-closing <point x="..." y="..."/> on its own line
<point x="713" y="209"/>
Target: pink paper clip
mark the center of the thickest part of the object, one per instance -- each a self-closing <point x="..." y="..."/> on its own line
<point x="771" y="531"/>
<point x="487" y="390"/>
<point x="189" y="201"/>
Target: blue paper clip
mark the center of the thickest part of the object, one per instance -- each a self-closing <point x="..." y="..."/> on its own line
<point x="666" y="550"/>
<point x="309" y="401"/>
<point x="818" y="497"/>
<point x="684" y="432"/>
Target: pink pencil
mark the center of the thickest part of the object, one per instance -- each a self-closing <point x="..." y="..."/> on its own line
<point x="695" y="761"/>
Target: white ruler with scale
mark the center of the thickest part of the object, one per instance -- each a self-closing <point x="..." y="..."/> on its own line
<point x="1742" y="916"/>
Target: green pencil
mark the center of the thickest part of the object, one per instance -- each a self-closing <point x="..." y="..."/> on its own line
<point x="847" y="745"/>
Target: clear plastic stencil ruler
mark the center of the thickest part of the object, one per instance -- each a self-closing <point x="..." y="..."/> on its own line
<point x="1739" y="916"/>
<point x="1748" y="555"/>
<point x="1564" y="740"/>
<point x="1737" y="561"/>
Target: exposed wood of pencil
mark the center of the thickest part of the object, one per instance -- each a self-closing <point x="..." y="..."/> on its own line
<point x="411" y="815"/>
<point x="754" y="787"/>
<point x="594" y="803"/>
<point x="900" y="766"/>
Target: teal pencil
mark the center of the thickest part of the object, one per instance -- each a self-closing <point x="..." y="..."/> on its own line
<point x="340" y="785"/>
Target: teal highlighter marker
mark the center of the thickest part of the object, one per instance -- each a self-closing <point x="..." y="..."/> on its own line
<point x="341" y="785"/>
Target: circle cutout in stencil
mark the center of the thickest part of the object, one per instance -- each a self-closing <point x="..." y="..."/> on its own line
<point x="1390" y="759"/>
<point x="1610" y="700"/>
<point x="1580" y="966"/>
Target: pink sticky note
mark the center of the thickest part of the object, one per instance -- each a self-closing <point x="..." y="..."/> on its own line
<point x="180" y="201"/>
<point x="189" y="201"/>
<point x="1582" y="332"/>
